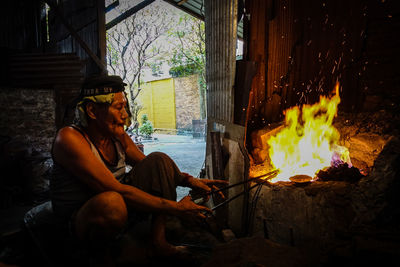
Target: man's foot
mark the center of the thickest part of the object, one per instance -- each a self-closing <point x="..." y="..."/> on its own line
<point x="168" y="250"/>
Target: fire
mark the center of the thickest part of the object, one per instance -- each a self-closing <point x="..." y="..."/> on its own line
<point x="309" y="142"/>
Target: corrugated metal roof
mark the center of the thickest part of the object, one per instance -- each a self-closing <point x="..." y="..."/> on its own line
<point x="196" y="8"/>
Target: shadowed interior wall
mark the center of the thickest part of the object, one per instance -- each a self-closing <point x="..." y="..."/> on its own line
<point x="28" y="115"/>
<point x="302" y="49"/>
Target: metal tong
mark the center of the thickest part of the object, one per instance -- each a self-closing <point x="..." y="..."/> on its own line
<point x="268" y="176"/>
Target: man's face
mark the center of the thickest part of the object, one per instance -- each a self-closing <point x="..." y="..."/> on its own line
<point x="113" y="119"/>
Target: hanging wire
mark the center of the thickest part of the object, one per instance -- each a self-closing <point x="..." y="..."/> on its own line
<point x="254" y="201"/>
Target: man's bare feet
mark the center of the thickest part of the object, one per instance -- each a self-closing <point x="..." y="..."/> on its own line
<point x="165" y="249"/>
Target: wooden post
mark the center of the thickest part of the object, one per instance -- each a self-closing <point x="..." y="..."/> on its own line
<point x="216" y="156"/>
<point x="101" y="29"/>
<point x="218" y="173"/>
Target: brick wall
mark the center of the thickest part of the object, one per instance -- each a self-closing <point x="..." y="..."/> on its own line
<point x="187" y="101"/>
<point x="28" y="115"/>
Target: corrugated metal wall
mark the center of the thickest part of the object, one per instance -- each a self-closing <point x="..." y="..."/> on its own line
<point x="21" y="23"/>
<point x="221" y="32"/>
<point x="86" y="19"/>
<point x="309" y="45"/>
<point x="282" y="38"/>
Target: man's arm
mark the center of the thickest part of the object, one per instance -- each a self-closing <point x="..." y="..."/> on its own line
<point x="203" y="185"/>
<point x="73" y="152"/>
<point x="133" y="153"/>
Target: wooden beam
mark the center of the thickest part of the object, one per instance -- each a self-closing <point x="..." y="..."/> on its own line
<point x="112" y="6"/>
<point x="128" y="13"/>
<point x="185" y="9"/>
<point x="182" y="2"/>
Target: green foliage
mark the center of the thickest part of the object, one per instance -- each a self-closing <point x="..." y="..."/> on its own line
<point x="145" y="118"/>
<point x="183" y="70"/>
<point x="147" y="127"/>
<point x="188" y="55"/>
<point x="155" y="68"/>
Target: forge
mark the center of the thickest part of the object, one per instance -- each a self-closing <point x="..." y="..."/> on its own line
<point x="337" y="201"/>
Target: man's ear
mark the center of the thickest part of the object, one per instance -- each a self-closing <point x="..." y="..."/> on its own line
<point x="91" y="110"/>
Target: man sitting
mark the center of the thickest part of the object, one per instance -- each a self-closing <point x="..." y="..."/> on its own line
<point x="90" y="188"/>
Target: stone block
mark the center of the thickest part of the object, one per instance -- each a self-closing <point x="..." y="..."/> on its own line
<point x="228" y="235"/>
<point x="259" y="141"/>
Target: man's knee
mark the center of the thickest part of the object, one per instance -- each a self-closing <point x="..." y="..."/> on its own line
<point x="112" y="207"/>
<point x="158" y="157"/>
<point x="160" y="161"/>
<point x="105" y="212"/>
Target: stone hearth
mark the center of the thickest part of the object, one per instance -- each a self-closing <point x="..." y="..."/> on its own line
<point x="322" y="213"/>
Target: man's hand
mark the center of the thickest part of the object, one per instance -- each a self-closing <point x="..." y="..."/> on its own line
<point x="204" y="186"/>
<point x="188" y="210"/>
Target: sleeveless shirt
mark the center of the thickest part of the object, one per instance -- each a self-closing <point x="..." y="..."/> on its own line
<point x="68" y="193"/>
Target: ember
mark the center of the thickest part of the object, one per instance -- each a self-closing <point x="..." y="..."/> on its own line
<point x="309" y="142"/>
<point x="340" y="172"/>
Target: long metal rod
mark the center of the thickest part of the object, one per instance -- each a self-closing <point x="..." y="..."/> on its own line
<point x="236" y="196"/>
<point x="271" y="174"/>
<point x="275" y="172"/>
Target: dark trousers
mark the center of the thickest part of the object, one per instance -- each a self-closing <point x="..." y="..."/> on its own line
<point x="156" y="174"/>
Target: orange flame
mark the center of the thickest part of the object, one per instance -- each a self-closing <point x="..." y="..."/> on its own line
<point x="309" y="142"/>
